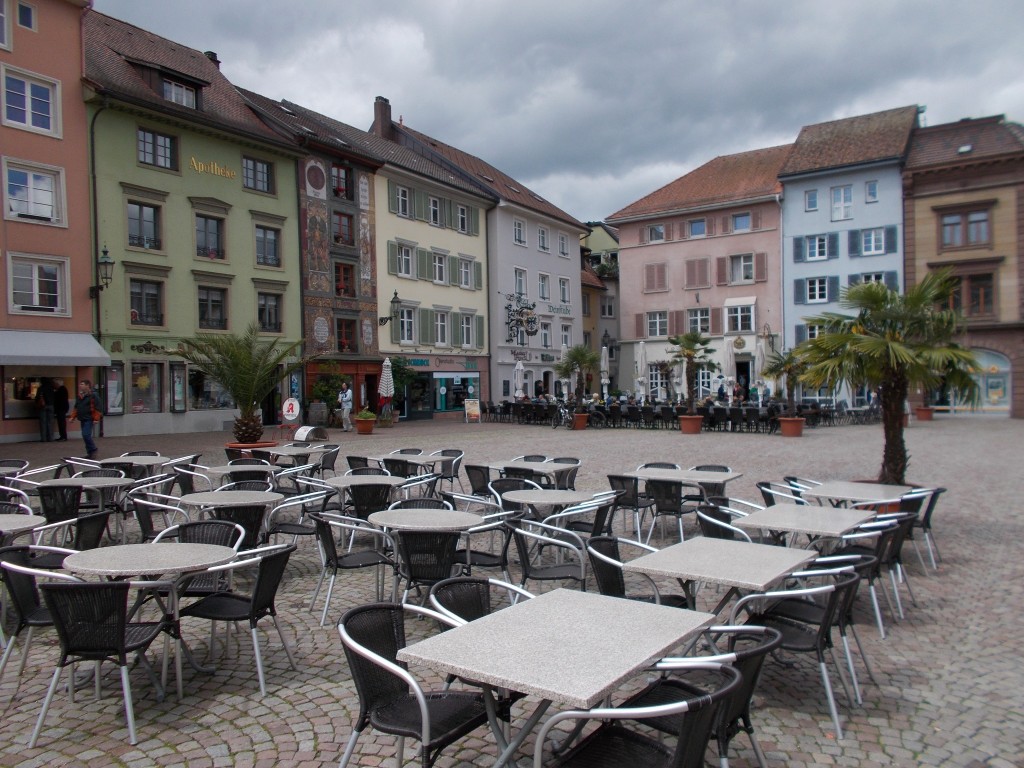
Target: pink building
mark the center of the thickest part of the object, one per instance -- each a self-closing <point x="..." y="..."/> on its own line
<point x="703" y="253"/>
<point x="45" y="233"/>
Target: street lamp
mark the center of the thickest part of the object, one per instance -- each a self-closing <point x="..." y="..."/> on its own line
<point x="105" y="269"/>
<point x="396" y="308"/>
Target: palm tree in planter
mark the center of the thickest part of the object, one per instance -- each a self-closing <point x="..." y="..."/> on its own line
<point x="692" y="350"/>
<point x="247" y="368"/>
<point x="788" y="363"/>
<point x="891" y="343"/>
<point x="579" y="360"/>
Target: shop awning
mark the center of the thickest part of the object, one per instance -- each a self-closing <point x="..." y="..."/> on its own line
<point x="50" y="348"/>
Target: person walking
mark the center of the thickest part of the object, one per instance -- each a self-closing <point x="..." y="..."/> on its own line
<point x="44" y="403"/>
<point x="61" y="405"/>
<point x="345" y="401"/>
<point x="86" y="405"/>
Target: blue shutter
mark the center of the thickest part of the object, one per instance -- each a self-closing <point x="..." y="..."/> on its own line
<point x="853" y="279"/>
<point x="890" y="240"/>
<point x="833" y="245"/>
<point x="892" y="280"/>
<point x="799" y="291"/>
<point x="798" y="249"/>
<point x="854" y="243"/>
<point x="832" y="288"/>
<point x="801" y="332"/>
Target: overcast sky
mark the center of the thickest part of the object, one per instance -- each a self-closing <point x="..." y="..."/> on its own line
<point x="595" y="103"/>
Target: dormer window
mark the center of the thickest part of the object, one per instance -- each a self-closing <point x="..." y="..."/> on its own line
<point x="180" y="93"/>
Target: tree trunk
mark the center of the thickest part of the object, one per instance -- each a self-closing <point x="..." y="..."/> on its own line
<point x="892" y="396"/>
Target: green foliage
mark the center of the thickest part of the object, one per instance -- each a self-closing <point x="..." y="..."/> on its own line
<point x="246" y="367"/>
<point x="788" y="364"/>
<point x="402" y="373"/>
<point x="693" y="352"/>
<point x="892" y="342"/>
<point x="580" y="360"/>
<point x="366" y="413"/>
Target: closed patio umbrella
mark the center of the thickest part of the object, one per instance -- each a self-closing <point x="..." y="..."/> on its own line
<point x="518" y="375"/>
<point x="386" y="389"/>
<point x="641" y="369"/>
<point x="605" y="380"/>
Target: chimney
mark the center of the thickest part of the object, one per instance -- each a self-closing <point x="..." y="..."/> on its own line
<point x="382" y="119"/>
<point x="212" y="56"/>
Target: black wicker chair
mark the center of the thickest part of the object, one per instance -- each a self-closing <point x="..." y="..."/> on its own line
<point x="369" y="498"/>
<point x="631" y="498"/>
<point x="425" y="557"/>
<point x="606" y="567"/>
<point x="249" y="516"/>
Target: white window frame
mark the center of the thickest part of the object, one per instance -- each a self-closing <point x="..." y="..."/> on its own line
<point x="545" y="335"/>
<point x="462" y="218"/>
<point x="406" y="325"/>
<point x="30" y="79"/>
<point x="607" y="306"/>
<point x="519" y="232"/>
<point x="439" y="267"/>
<point x="873" y="277"/>
<point x="657" y="324"/>
<point x="180" y="93"/>
<point x="656" y="378"/>
<point x="737" y="218"/>
<point x="740" y="319"/>
<point x="873" y="241"/>
<point x="60" y="264"/>
<point x="434" y="211"/>
<point x="842" y="202"/>
<point x="5" y="28"/>
<point x="870" y="192"/>
<point x="816" y="290"/>
<point x="519" y="276"/>
<point x="816" y="248"/>
<point x="34" y="25"/>
<point x="544" y="286"/>
<point x="563" y="245"/>
<point x="564" y="290"/>
<point x="542" y="239"/>
<point x="567" y="335"/>
<point x="466" y="331"/>
<point x="692" y="224"/>
<point x="405" y="260"/>
<point x="810" y="200"/>
<point x="699" y="319"/>
<point x="402" y="201"/>
<point x="656" y="233"/>
<point x="813" y="331"/>
<point x="441" y="331"/>
<point x="53" y="172"/>
<point x="465" y="273"/>
<point x="739" y="266"/>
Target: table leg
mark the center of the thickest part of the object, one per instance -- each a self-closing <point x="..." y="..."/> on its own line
<point x="507" y="749"/>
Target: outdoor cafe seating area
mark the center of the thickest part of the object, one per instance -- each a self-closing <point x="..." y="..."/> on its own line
<point x="538" y="583"/>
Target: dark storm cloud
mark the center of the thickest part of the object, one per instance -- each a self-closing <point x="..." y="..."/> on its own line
<point x="595" y="104"/>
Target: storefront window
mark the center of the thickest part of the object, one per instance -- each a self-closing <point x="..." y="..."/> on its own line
<point x="114" y="388"/>
<point x="206" y="394"/>
<point x="177" y="387"/>
<point x="19" y="393"/>
<point x="147" y="387"/>
<point x="451" y="391"/>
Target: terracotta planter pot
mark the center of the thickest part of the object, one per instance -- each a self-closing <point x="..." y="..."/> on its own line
<point x="364" y="426"/>
<point x="690" y="425"/>
<point x="579" y="420"/>
<point x="924" y="413"/>
<point x="791" y="427"/>
<point x="249" y="446"/>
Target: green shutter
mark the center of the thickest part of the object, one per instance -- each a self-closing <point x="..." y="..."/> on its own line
<point x="423" y="271"/>
<point x="455" y="318"/>
<point x="453" y="270"/>
<point x="478" y="275"/>
<point x="426" y="326"/>
<point x="392" y="196"/>
<point x="422" y="203"/>
<point x="478" y="332"/>
<point x="396" y="328"/>
<point x="449" y="214"/>
<point x="474" y="221"/>
<point x="392" y="258"/>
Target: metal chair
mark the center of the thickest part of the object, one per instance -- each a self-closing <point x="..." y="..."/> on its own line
<point x="606" y="566"/>
<point x="630" y="498"/>
<point x="424" y="557"/>
<point x="450" y="469"/>
<point x="479" y="476"/>
<point x="673" y="498"/>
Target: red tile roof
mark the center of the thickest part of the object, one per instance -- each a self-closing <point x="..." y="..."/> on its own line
<point x="852" y="141"/>
<point x="589" y="278"/>
<point x="111" y="46"/>
<point x="965" y="141"/>
<point x="725" y="179"/>
<point x="490" y="178"/>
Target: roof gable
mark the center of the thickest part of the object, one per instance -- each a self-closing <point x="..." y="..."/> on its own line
<point x="965" y="141"/>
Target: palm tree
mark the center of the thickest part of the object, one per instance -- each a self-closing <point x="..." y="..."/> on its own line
<point x="788" y="363"/>
<point x="693" y="352"/>
<point x="580" y="360"/>
<point x="892" y="343"/>
<point x="246" y="367"/>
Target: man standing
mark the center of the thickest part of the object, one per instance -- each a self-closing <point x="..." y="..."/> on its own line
<point x="61" y="404"/>
<point x="345" y="401"/>
<point x="85" y="405"/>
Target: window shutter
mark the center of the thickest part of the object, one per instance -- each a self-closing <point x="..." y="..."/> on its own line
<point x="854" y="243"/>
<point x="704" y="273"/>
<point x="679" y="316"/>
<point x="684" y="231"/>
<point x="691" y="274"/>
<point x="716" y="321"/>
<point x="726" y="223"/>
<point x="640" y="326"/>
<point x="709" y="226"/>
<point x="668" y="230"/>
<point x="474" y="221"/>
<point x="832" y="288"/>
<point x="801" y="332"/>
<point x="478" y="331"/>
<point x="392" y="196"/>
<point x="455" y="337"/>
<point x="671" y="323"/>
<point x="890" y="240"/>
<point x="755" y="220"/>
<point x="643" y="234"/>
<point x="799" y="291"/>
<point x="396" y="328"/>
<point x="478" y="275"/>
<point x="661" y="276"/>
<point x="853" y="279"/>
<point x="892" y="280"/>
<point x="453" y="270"/>
<point x="833" y="245"/>
<point x="722" y="270"/>
<point x="422" y="204"/>
<point x="426" y="326"/>
<point x="423" y="271"/>
<point x="392" y="258"/>
<point x="760" y="267"/>
<point x="448" y="211"/>
<point x="798" y="249"/>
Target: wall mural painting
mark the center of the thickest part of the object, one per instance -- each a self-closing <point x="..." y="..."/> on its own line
<point x="317" y="259"/>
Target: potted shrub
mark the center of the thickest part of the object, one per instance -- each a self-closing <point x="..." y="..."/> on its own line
<point x="693" y="352"/>
<point x="788" y="363"/>
<point x="365" y="420"/>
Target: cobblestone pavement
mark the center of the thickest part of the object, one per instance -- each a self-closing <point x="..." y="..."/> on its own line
<point x="949" y="677"/>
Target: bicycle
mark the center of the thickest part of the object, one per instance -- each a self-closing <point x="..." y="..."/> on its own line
<point x="563" y="417"/>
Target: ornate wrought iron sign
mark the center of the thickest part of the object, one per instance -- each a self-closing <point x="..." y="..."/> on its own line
<point x="520" y="316"/>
